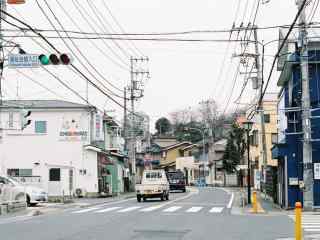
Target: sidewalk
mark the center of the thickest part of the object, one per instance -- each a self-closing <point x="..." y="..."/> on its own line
<point x="45" y="208"/>
<point x="264" y="206"/>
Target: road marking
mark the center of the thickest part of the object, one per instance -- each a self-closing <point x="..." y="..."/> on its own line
<point x="129" y="209"/>
<point x="216" y="210"/>
<point x="230" y="201"/>
<point x="310" y="223"/>
<point x="150" y="209"/>
<point x="172" y="209"/>
<point x="108" y="209"/>
<point x="86" y="210"/>
<point x="194" y="209"/>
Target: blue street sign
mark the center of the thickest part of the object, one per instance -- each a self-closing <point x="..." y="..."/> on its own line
<point x="23" y="60"/>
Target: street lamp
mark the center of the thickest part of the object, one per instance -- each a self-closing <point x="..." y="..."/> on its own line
<point x="247" y="127"/>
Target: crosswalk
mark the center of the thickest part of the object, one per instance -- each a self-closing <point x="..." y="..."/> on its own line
<point x="161" y="208"/>
<point x="310" y="223"/>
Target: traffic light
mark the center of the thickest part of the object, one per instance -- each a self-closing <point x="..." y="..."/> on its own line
<point x="55" y="59"/>
<point x="24" y="115"/>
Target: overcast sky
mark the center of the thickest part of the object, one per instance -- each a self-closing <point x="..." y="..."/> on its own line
<point x="182" y="74"/>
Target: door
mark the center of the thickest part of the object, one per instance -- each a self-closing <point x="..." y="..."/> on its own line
<point x="54" y="185"/>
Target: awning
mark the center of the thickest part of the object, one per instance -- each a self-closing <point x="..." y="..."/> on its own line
<point x="279" y="150"/>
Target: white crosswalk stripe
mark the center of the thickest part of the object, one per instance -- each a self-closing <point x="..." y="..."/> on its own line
<point x="86" y="210"/>
<point x="150" y="209"/>
<point x="108" y="209"/>
<point x="216" y="210"/>
<point x="172" y="209"/>
<point x="168" y="209"/>
<point x="194" y="209"/>
<point x="129" y="209"/>
<point x="310" y="223"/>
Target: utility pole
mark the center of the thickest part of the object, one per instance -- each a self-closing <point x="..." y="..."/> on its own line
<point x="133" y="134"/>
<point x="2" y="7"/>
<point x="305" y="102"/>
<point x="260" y="108"/>
<point x="125" y="119"/>
<point x="135" y="87"/>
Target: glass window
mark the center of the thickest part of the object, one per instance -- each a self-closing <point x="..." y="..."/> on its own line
<point x="40" y="126"/>
<point x="267" y="118"/>
<point x="19" y="172"/>
<point x="274" y="138"/>
<point x="10" y="119"/>
<point x="54" y="174"/>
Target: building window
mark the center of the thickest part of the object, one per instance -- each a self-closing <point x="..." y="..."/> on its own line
<point x="19" y="172"/>
<point x="40" y="126"/>
<point x="274" y="138"/>
<point x="54" y="174"/>
<point x="254" y="138"/>
<point x="10" y="119"/>
<point x="267" y="118"/>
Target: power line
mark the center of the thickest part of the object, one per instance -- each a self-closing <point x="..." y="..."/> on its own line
<point x="104" y="22"/>
<point x="279" y="50"/>
<point x="120" y="27"/>
<point x="72" y="65"/>
<point x="187" y="32"/>
<point x="39" y="84"/>
<point x="85" y="15"/>
<point x="91" y="41"/>
<point x="140" y="39"/>
<point x="78" y="49"/>
<point x="238" y="68"/>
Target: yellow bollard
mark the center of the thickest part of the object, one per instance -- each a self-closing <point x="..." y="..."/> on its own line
<point x="254" y="202"/>
<point x="298" y="224"/>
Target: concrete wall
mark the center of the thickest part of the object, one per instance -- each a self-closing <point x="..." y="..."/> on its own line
<point x="41" y="151"/>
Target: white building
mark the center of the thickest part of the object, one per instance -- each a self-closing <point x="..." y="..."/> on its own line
<point x="56" y="146"/>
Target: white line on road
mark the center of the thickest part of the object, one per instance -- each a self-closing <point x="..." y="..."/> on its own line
<point x="107" y="209"/>
<point x="230" y="201"/>
<point x="172" y="209"/>
<point x="216" y="209"/>
<point x="86" y="210"/>
<point x="149" y="209"/>
<point x="129" y="209"/>
<point x="194" y="209"/>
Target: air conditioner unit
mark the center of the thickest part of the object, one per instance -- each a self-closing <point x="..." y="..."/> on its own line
<point x="80" y="192"/>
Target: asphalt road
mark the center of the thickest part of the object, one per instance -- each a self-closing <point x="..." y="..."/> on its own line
<point x="203" y="214"/>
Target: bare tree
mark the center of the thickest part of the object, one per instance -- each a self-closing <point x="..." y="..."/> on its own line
<point x="209" y="116"/>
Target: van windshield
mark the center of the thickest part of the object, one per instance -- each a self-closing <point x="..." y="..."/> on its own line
<point x="154" y="175"/>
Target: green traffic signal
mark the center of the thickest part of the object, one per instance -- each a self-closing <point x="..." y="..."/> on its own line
<point x="44" y="60"/>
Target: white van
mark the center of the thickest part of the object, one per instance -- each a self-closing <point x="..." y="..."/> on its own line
<point x="154" y="185"/>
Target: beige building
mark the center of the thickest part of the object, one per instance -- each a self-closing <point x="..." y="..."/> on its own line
<point x="256" y="151"/>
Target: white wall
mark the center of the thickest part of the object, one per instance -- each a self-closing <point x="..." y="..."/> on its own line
<point x="23" y="149"/>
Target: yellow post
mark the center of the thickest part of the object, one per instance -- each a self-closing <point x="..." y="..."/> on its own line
<point x="298" y="224"/>
<point x="254" y="202"/>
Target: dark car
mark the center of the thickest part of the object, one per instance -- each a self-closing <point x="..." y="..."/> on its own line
<point x="177" y="180"/>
